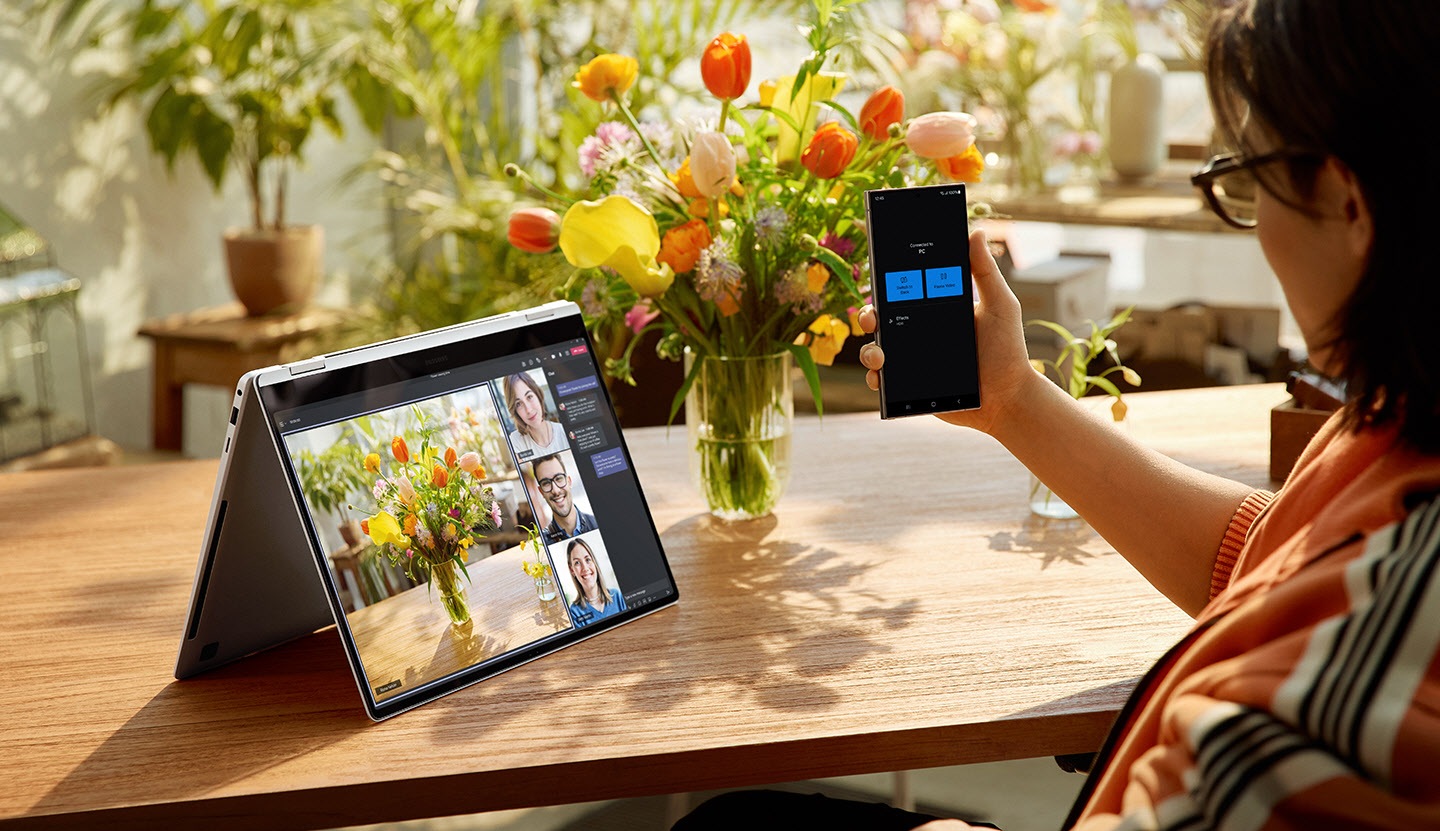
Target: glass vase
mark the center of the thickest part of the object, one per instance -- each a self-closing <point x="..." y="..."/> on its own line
<point x="1044" y="502"/>
<point x="739" y="414"/>
<point x="545" y="587"/>
<point x="445" y="579"/>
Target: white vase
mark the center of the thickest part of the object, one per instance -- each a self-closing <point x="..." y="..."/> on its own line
<point x="1137" y="136"/>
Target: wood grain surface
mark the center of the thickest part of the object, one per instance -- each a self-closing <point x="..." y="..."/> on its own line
<point x="901" y="610"/>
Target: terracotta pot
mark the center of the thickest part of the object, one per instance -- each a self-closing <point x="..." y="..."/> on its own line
<point x="272" y="269"/>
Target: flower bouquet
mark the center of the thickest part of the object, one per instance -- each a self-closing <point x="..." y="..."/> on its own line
<point x="432" y="506"/>
<point x="739" y="236"/>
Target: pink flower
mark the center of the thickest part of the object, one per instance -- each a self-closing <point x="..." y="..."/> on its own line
<point x="841" y="246"/>
<point x="941" y="135"/>
<point x="454" y="513"/>
<point x="469" y="462"/>
<point x="607" y="135"/>
<point x="406" y="489"/>
<point x="495" y="514"/>
<point x="1090" y="142"/>
<point x="640" y="316"/>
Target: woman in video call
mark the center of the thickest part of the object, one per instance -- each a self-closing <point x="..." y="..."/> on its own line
<point x="1307" y="696"/>
<point x="595" y="600"/>
<point x="536" y="433"/>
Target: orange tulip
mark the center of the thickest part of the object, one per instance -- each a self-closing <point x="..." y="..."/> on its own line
<point x="399" y="450"/>
<point x="829" y="151"/>
<point x="409" y="525"/>
<point x="536" y="230"/>
<point x="884" y="107"/>
<point x="965" y="167"/>
<point x="681" y="246"/>
<point x="439" y="477"/>
<point x="450" y="457"/>
<point x="725" y="66"/>
<point x="607" y="75"/>
<point x="727" y="303"/>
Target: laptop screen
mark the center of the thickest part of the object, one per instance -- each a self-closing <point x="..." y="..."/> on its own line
<point x="475" y="503"/>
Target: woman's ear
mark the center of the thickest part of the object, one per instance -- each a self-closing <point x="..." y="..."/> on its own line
<point x="1341" y="196"/>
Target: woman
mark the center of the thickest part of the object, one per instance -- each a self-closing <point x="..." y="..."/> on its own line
<point x="595" y="600"/>
<point x="1307" y="694"/>
<point x="536" y="433"/>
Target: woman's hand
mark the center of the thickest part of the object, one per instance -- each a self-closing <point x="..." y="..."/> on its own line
<point x="1000" y="338"/>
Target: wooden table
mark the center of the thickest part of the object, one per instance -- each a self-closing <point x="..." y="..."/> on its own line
<point x="901" y="610"/>
<point x="215" y="347"/>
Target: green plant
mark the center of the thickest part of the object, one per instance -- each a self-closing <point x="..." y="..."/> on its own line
<point x="1072" y="366"/>
<point x="236" y="83"/>
<point x="330" y="477"/>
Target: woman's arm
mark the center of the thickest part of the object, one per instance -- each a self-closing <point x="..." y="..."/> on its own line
<point x="1167" y="519"/>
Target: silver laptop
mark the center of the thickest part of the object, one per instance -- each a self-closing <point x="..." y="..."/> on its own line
<point x="457" y="503"/>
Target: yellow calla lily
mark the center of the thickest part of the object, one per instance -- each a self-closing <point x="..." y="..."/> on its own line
<point x="385" y="528"/>
<point x="618" y="233"/>
<point x="803" y="107"/>
<point x="828" y="335"/>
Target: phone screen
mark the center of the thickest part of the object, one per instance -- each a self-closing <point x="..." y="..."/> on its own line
<point x="920" y="269"/>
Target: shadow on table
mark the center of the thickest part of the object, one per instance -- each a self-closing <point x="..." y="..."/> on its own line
<point x="208" y="730"/>
<point x="1050" y="541"/>
<point x="820" y="627"/>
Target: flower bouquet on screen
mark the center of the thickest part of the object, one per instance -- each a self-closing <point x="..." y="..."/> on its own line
<point x="738" y="235"/>
<point x="432" y="506"/>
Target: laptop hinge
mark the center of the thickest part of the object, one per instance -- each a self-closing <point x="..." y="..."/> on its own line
<point x="308" y="366"/>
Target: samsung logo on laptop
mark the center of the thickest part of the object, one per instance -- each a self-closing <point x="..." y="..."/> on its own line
<point x="440" y="360"/>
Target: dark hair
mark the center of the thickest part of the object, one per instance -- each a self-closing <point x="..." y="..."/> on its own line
<point x="1348" y="79"/>
<point x="600" y="586"/>
<point x="553" y="457"/>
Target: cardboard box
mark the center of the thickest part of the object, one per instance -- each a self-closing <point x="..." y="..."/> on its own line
<point x="1069" y="290"/>
<point x="1291" y="428"/>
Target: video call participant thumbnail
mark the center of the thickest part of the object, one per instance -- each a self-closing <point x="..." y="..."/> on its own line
<point x="556" y="486"/>
<point x="537" y="432"/>
<point x="594" y="598"/>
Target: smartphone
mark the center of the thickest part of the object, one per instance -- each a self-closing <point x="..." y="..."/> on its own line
<point x="920" y="271"/>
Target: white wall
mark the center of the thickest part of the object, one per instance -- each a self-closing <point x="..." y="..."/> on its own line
<point x="145" y="243"/>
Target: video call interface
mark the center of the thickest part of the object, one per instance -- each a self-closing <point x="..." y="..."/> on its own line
<point x="528" y="443"/>
<point x="921" y="270"/>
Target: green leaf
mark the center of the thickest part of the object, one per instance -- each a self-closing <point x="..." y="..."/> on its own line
<point x="806" y="361"/>
<point x="840" y="269"/>
<point x="780" y="114"/>
<point x="1054" y="327"/>
<point x="684" y="390"/>
<point x="214" y="138"/>
<point x="1103" y="383"/>
<point x="844" y="114"/>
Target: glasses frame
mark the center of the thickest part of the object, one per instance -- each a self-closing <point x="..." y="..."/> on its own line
<point x="1227" y="163"/>
<point x="553" y="483"/>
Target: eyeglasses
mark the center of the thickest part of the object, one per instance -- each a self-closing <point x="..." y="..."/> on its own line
<point x="559" y="480"/>
<point x="1229" y="183"/>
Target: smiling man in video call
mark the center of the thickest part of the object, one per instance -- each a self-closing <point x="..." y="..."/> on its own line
<point x="554" y="483"/>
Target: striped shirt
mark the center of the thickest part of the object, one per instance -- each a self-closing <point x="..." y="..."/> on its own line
<point x="1308" y="694"/>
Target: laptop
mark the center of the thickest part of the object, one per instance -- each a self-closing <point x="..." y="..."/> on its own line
<point x="457" y="503"/>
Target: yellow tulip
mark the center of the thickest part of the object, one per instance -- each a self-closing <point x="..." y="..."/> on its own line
<point x="618" y="233"/>
<point x="372" y="462"/>
<point x="828" y="335"/>
<point x="385" y="529"/>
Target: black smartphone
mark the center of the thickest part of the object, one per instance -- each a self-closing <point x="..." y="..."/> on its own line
<point x="920" y="271"/>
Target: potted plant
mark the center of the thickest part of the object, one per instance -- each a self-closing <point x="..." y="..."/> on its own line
<point x="237" y="84"/>
<point x="1074" y="370"/>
